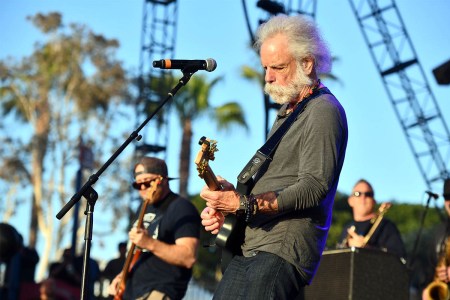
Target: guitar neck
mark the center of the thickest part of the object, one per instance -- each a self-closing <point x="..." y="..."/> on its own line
<point x="376" y="223"/>
<point x="127" y="266"/>
<point x="211" y="179"/>
<point x="132" y="257"/>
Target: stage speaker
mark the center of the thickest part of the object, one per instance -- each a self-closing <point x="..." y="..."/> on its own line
<point x="442" y="73"/>
<point x="359" y="274"/>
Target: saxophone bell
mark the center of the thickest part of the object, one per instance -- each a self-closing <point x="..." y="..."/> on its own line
<point x="437" y="289"/>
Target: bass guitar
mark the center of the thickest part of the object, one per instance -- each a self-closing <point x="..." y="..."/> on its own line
<point x="134" y="252"/>
<point x="231" y="234"/>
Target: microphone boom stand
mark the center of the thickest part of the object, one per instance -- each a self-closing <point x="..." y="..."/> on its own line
<point x="416" y="242"/>
<point x="91" y="195"/>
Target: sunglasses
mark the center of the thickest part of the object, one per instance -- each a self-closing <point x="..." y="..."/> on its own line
<point x="142" y="185"/>
<point x="359" y="194"/>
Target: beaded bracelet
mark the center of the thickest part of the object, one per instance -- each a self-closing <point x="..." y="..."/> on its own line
<point x="252" y="207"/>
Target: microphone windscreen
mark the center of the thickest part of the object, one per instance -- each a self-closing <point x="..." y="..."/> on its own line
<point x="446" y="192"/>
<point x="210" y="65"/>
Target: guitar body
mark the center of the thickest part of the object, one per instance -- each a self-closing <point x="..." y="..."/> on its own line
<point x="134" y="254"/>
<point x="230" y="238"/>
<point x="231" y="234"/>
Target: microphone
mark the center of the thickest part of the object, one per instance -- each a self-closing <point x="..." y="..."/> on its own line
<point x="433" y="195"/>
<point x="183" y="64"/>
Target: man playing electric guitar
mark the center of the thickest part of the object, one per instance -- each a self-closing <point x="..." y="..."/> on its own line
<point x="168" y="241"/>
<point x="286" y="192"/>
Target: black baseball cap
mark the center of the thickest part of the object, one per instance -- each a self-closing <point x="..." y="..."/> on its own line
<point x="153" y="165"/>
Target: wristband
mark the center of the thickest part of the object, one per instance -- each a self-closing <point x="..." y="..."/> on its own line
<point x="242" y="206"/>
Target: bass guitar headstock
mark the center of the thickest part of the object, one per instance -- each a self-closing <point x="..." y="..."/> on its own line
<point x="154" y="192"/>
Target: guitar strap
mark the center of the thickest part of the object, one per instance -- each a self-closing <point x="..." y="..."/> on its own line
<point x="246" y="179"/>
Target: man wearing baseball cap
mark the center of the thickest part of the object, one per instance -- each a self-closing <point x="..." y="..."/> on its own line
<point x="169" y="239"/>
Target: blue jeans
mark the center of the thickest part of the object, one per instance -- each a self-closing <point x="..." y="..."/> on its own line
<point x="263" y="276"/>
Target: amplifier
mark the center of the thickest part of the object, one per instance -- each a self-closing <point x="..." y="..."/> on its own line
<point x="359" y="274"/>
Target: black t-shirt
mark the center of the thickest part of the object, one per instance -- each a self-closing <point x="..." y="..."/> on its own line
<point x="174" y="218"/>
<point x="386" y="237"/>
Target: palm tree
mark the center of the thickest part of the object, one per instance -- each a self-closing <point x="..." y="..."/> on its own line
<point x="190" y="103"/>
<point x="193" y="103"/>
<point x="252" y="74"/>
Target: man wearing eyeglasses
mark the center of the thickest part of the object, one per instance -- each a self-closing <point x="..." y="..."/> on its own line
<point x="169" y="241"/>
<point x="386" y="236"/>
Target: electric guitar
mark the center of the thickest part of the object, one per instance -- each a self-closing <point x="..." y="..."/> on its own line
<point x="134" y="253"/>
<point x="375" y="223"/>
<point x="231" y="234"/>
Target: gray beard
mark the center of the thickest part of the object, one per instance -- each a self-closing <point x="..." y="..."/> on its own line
<point x="286" y="94"/>
<point x="282" y="94"/>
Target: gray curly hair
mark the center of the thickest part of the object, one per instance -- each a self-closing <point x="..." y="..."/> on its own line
<point x="303" y="36"/>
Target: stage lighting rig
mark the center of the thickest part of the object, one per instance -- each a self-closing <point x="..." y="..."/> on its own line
<point x="272" y="7"/>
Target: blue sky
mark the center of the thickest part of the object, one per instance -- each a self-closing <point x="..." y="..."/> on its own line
<point x="377" y="149"/>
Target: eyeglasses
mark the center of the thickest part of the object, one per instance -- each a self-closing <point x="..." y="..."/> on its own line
<point x="138" y="185"/>
<point x="359" y="194"/>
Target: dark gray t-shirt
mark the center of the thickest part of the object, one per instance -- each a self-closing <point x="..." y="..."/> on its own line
<point x="305" y="173"/>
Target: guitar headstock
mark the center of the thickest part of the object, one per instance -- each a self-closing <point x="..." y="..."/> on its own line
<point x="154" y="192"/>
<point x="384" y="207"/>
<point x="206" y="153"/>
